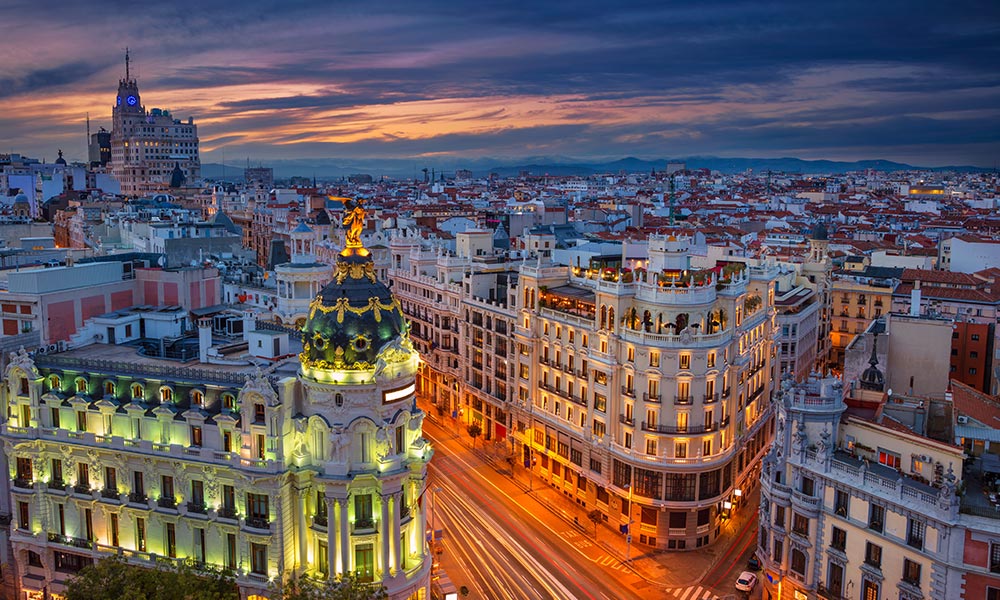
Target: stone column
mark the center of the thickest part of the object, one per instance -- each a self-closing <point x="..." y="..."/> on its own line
<point x="332" y="549"/>
<point x="397" y="560"/>
<point x="386" y="532"/>
<point x="345" y="537"/>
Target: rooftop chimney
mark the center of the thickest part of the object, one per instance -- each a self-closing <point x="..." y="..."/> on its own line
<point x="915" y="299"/>
<point x="204" y="338"/>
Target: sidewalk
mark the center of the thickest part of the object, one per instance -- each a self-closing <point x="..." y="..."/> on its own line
<point x="662" y="568"/>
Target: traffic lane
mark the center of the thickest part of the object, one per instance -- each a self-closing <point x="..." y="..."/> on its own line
<point x="544" y="535"/>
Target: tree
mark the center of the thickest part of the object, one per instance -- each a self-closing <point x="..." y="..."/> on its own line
<point x="343" y="587"/>
<point x="474" y="431"/>
<point x="113" y="577"/>
<point x="595" y="517"/>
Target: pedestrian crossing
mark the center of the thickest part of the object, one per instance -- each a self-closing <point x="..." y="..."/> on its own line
<point x="693" y="592"/>
<point x="612" y="563"/>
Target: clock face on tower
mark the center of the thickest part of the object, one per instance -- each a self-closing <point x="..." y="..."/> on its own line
<point x="131" y="100"/>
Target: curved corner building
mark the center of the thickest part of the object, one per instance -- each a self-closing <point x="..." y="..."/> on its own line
<point x="314" y="467"/>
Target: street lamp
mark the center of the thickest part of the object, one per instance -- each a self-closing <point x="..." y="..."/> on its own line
<point x="628" y="526"/>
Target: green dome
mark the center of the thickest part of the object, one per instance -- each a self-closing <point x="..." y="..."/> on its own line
<point x="351" y="319"/>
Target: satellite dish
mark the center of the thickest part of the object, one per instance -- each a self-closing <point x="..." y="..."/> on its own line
<point x="889" y="392"/>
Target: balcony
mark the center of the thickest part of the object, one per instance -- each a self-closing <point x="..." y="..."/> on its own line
<point x="197" y="508"/>
<point x="320" y="520"/>
<point x="110" y="494"/>
<point x="66" y="540"/>
<point x="683" y="400"/>
<point x="364" y="526"/>
<point x="678" y="429"/>
<point x="138" y="498"/>
<point x="167" y="502"/>
<point x="654" y="398"/>
<point x="710" y="398"/>
<point x="626" y="420"/>
<point x="727" y="392"/>
<point x="23" y="483"/>
<point x="82" y="488"/>
<point x="258" y="523"/>
<point x="57" y="484"/>
<point x="227" y="512"/>
<point x="628" y="392"/>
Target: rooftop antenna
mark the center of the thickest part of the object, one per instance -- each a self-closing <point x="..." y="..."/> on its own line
<point x="126" y="64"/>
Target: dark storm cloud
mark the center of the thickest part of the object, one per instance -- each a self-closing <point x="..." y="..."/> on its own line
<point x="792" y="76"/>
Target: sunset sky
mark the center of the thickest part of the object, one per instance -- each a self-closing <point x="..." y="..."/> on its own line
<point x="910" y="81"/>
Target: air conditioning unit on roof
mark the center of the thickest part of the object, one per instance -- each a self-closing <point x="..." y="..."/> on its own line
<point x="962" y="419"/>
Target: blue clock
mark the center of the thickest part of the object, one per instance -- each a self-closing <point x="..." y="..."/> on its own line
<point x="131" y="100"/>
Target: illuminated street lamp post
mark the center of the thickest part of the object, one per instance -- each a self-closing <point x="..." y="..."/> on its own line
<point x="628" y="526"/>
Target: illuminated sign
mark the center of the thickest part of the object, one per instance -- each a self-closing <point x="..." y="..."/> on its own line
<point x="391" y="396"/>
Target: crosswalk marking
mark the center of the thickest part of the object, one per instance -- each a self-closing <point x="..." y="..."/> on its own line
<point x="694" y="592"/>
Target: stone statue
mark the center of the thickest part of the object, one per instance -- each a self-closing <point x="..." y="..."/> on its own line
<point x="354" y="222"/>
<point x="823" y="447"/>
<point x="338" y="444"/>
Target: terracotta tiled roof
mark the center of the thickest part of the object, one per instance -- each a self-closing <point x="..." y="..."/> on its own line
<point x="973" y="403"/>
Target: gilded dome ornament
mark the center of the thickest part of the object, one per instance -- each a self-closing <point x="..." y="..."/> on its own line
<point x="354" y="317"/>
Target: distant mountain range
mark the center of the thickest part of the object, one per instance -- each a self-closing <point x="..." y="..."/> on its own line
<point x="411" y="168"/>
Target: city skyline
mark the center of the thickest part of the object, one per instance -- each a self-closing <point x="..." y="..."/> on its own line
<point x="912" y="83"/>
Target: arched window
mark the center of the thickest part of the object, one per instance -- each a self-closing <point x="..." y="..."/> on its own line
<point x="109" y="388"/>
<point x="81" y="385"/>
<point x="166" y="394"/>
<point x="228" y="401"/>
<point x="604" y="317"/>
<point x="611" y="318"/>
<point x="197" y="398"/>
<point x="54" y="383"/>
<point x="137" y="391"/>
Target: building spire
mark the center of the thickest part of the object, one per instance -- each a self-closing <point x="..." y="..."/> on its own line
<point x="127" y="78"/>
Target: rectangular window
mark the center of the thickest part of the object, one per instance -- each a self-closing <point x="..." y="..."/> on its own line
<point x="171" y="541"/>
<point x="654" y="358"/>
<point x="229" y="498"/>
<point x="260" y="445"/>
<point x="113" y="529"/>
<point x="363" y="510"/>
<point x="911" y="572"/>
<point x="915" y="534"/>
<point x="258" y="559"/>
<point x="138" y="488"/>
<point x="873" y="555"/>
<point x="595" y="465"/>
<point x="83" y="475"/>
<point x="199" y="544"/>
<point x="876" y="518"/>
<point x="81" y="421"/>
<point x="684" y="362"/>
<point x="55" y="417"/>
<point x="111" y="479"/>
<point x="195" y="436"/>
<point x="197" y="492"/>
<point x="227" y="441"/>
<point x="24" y="470"/>
<point x="680" y="449"/>
<point x="651" y="446"/>
<point x="838" y="539"/>
<point x="167" y="487"/>
<point x="140" y="534"/>
<point x="778" y="551"/>
<point x="257" y="506"/>
<point x="888" y="458"/>
<point x="808" y="486"/>
<point x="600" y="402"/>
<point x="800" y="524"/>
<point x="711" y="360"/>
<point x="779" y="516"/>
<point x="231" y="551"/>
<point x="23" y="516"/>
<point x="841" y="504"/>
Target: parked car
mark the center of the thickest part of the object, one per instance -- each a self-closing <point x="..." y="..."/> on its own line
<point x="753" y="564"/>
<point x="746" y="581"/>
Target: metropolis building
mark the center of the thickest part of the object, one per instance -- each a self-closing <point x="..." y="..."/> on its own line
<point x="314" y="466"/>
<point x="146" y="146"/>
<point x="642" y="392"/>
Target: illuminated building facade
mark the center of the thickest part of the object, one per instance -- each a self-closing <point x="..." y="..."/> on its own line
<point x="643" y="393"/>
<point x="314" y="467"/>
<point x="147" y="145"/>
